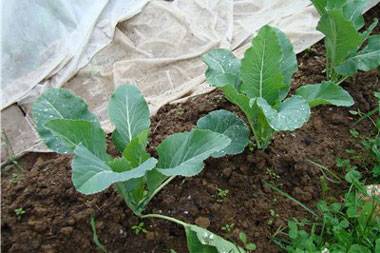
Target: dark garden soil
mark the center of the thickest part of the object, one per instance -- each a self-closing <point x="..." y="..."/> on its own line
<point x="57" y="217"/>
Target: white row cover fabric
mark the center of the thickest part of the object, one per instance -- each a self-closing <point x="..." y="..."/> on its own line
<point x="160" y="51"/>
<point x="44" y="39"/>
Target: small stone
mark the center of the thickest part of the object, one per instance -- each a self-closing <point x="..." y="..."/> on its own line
<point x="227" y="172"/>
<point x="211" y="188"/>
<point x="41" y="211"/>
<point x="215" y="207"/>
<point x="244" y="168"/>
<point x="150" y="236"/>
<point x="40" y="161"/>
<point x="81" y="216"/>
<point x="302" y="195"/>
<point x="203" y="222"/>
<point x="133" y="220"/>
<point x="38" y="226"/>
<point x="244" y="224"/>
<point x="47" y="249"/>
<point x="67" y="231"/>
<point x="70" y="221"/>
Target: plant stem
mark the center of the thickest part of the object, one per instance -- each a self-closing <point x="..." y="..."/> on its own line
<point x="159" y="216"/>
<point x="157" y="190"/>
<point x="291" y="198"/>
<point x="341" y="80"/>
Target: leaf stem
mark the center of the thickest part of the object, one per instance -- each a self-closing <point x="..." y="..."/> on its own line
<point x="157" y="190"/>
<point x="159" y="216"/>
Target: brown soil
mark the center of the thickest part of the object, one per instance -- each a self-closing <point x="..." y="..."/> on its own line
<point x="57" y="217"/>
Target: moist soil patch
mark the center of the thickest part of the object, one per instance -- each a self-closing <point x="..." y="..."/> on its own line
<point x="57" y="218"/>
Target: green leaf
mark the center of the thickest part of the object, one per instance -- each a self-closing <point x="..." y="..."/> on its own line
<point x="200" y="240"/>
<point x="227" y="123"/>
<point x="250" y="246"/>
<point x="241" y="100"/>
<point x="356" y="248"/>
<point x="326" y="93"/>
<point x="366" y="59"/>
<point x="259" y="125"/>
<point x="261" y="70"/>
<point x="288" y="62"/>
<point x="92" y="175"/>
<point x="293" y="230"/>
<point x="74" y="132"/>
<point x="58" y="104"/>
<point x="353" y="10"/>
<point x="183" y="153"/>
<point x="129" y="113"/>
<point x="243" y="237"/>
<point x="377" y="247"/>
<point x="292" y="114"/>
<point x="135" y="151"/>
<point x="223" y="68"/>
<point x="342" y="39"/>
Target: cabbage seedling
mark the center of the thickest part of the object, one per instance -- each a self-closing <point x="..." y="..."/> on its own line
<point x="340" y="22"/>
<point x="66" y="126"/>
<point x="259" y="84"/>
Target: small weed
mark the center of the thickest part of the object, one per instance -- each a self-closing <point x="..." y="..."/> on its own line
<point x="228" y="227"/>
<point x="273" y="216"/>
<point x="179" y="111"/>
<point x="354" y="133"/>
<point x="348" y="226"/>
<point x="221" y="194"/>
<point x="95" y="237"/>
<point x="19" y="212"/>
<point x="272" y="173"/>
<point x="249" y="246"/>
<point x="139" y="228"/>
<point x="15" y="178"/>
<point x="251" y="146"/>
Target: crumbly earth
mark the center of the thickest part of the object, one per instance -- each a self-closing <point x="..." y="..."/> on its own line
<point x="57" y="217"/>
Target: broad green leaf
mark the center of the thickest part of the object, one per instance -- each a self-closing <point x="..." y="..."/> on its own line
<point x="320" y="5"/>
<point x="227" y="123"/>
<point x="223" y="68"/>
<point x="356" y="248"/>
<point x="74" y="132"/>
<point x="58" y="104"/>
<point x="134" y="154"/>
<point x="292" y="114"/>
<point x="288" y="62"/>
<point x="326" y="93"/>
<point x="129" y="113"/>
<point x="377" y="247"/>
<point x="366" y="59"/>
<point x="239" y="99"/>
<point x="200" y="240"/>
<point x="135" y="151"/>
<point x="353" y="10"/>
<point x="257" y="121"/>
<point x="342" y="39"/>
<point x="261" y="70"/>
<point x="183" y="153"/>
<point x="92" y="175"/>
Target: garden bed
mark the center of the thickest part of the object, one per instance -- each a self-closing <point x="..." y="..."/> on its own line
<point x="57" y="217"/>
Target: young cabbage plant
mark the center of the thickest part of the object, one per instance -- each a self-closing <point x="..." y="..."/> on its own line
<point x="259" y="84"/>
<point x="66" y="126"/>
<point x="346" y="54"/>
